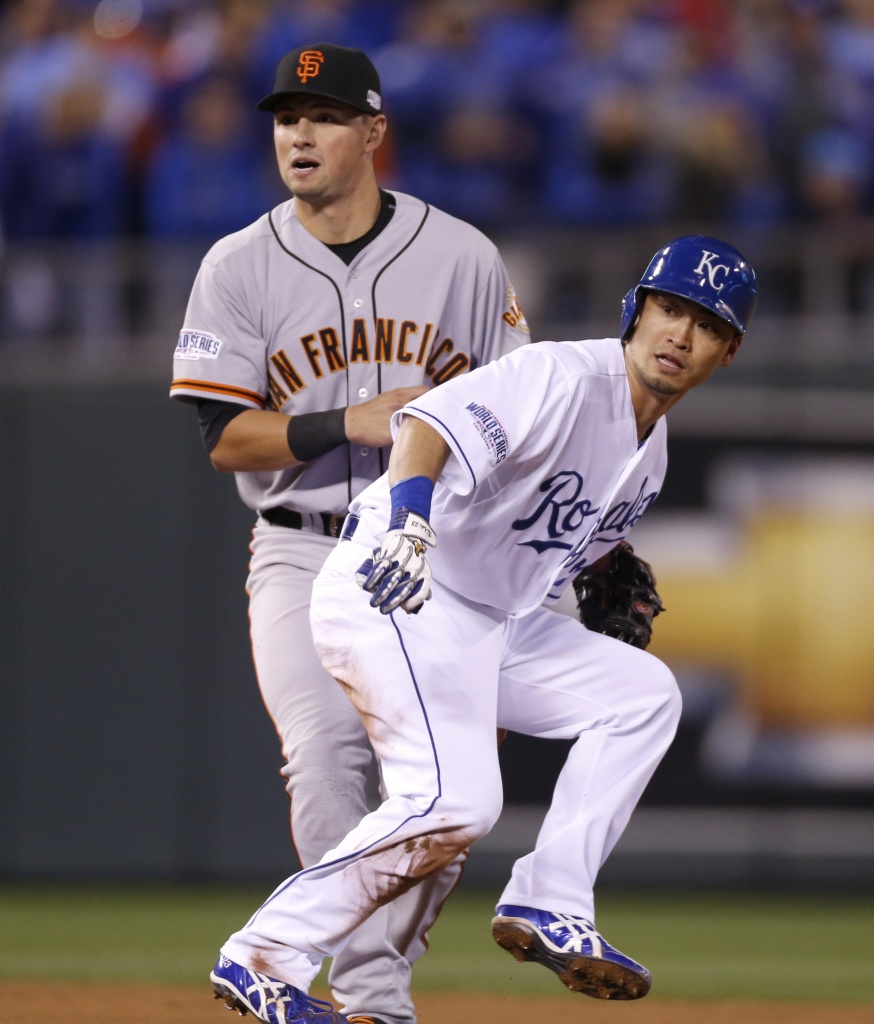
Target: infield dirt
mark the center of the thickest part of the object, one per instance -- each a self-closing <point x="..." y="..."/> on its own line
<point x="36" y="1002"/>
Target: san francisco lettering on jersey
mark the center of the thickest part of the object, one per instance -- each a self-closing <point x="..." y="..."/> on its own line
<point x="403" y="343"/>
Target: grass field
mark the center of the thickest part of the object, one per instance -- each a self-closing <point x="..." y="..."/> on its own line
<point x="715" y="946"/>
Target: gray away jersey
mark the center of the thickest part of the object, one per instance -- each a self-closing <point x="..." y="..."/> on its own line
<point x="277" y="321"/>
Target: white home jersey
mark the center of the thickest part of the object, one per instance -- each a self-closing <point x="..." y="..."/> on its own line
<point x="428" y="299"/>
<point x="545" y="473"/>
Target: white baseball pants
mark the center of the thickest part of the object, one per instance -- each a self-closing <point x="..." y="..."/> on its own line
<point x="431" y="689"/>
<point x="327" y="758"/>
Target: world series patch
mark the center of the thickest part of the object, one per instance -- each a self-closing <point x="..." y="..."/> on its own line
<point x="197" y="345"/>
<point x="491" y="431"/>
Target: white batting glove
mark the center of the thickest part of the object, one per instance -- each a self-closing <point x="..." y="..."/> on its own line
<point x="398" y="575"/>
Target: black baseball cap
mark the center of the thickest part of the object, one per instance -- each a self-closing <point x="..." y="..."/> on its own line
<point x="337" y="72"/>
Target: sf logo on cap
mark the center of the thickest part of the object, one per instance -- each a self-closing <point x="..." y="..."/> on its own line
<point x="309" y="65"/>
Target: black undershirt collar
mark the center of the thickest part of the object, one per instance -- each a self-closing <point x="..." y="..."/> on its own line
<point x="347" y="251"/>
<point x="215" y="414"/>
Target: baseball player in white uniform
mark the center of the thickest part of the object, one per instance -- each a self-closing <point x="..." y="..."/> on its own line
<point x="304" y="333"/>
<point x="502" y="485"/>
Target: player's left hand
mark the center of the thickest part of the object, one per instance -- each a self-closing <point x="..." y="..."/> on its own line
<point x="398" y="575"/>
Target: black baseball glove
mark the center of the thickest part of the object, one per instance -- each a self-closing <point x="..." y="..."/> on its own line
<point x="617" y="596"/>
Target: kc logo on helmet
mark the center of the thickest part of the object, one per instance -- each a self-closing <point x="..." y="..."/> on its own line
<point x="309" y="65"/>
<point x="706" y="265"/>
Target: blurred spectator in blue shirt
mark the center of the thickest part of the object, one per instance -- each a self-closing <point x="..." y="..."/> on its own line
<point x="73" y="98"/>
<point x="835" y="175"/>
<point x="365" y="24"/>
<point x="204" y="39"/>
<point x="784" y="58"/>
<point x="524" y="35"/>
<point x="713" y="122"/>
<point x="849" y="56"/>
<point x="599" y="160"/>
<point x="211" y="175"/>
<point x="458" y="142"/>
<point x="503" y="112"/>
<point x="37" y="45"/>
<point x="62" y="174"/>
<point x="52" y="46"/>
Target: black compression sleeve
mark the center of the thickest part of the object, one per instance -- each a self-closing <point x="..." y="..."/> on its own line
<point x="213" y="416"/>
<point x="312" y="434"/>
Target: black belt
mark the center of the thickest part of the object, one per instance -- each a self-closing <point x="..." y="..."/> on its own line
<point x="332" y="523"/>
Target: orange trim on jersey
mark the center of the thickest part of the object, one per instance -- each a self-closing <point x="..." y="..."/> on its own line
<point x="228" y="390"/>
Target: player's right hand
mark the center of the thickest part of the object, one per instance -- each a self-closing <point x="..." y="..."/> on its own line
<point x="398" y="575"/>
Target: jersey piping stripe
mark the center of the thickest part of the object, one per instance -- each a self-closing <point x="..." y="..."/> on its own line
<point x="217" y="389"/>
<point x="422" y="412"/>
<point x="327" y="277"/>
<point x="358" y="854"/>
<point x="397" y="255"/>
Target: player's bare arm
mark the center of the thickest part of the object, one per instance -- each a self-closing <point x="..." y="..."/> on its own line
<point x="418" y="451"/>
<point x="253" y="441"/>
<point x="258" y="440"/>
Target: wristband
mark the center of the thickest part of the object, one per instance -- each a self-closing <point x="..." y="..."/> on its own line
<point x="411" y="495"/>
<point x="312" y="434"/>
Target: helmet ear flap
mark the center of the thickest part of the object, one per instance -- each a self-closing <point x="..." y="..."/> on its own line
<point x="628" y="318"/>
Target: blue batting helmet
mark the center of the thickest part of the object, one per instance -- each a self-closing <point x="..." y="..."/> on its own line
<point x="703" y="269"/>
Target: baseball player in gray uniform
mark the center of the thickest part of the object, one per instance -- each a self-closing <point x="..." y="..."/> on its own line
<point x="304" y="333"/>
<point x="502" y="486"/>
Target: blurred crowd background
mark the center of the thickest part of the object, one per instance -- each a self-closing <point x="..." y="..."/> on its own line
<point x="129" y="142"/>
<point x="137" y="117"/>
